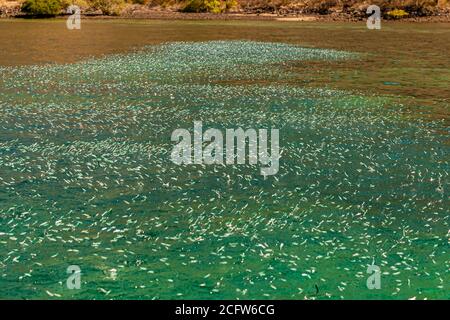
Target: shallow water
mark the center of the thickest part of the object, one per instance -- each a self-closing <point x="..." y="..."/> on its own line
<point x="87" y="179"/>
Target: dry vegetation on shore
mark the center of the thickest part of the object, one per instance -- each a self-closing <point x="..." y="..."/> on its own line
<point x="347" y="9"/>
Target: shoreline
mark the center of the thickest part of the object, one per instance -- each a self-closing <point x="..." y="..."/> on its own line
<point x="145" y="13"/>
<point x="167" y="14"/>
<point x="157" y="15"/>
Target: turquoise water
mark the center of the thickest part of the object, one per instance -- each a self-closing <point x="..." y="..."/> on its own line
<point x="86" y="179"/>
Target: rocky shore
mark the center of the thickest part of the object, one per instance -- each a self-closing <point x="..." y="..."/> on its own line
<point x="140" y="12"/>
<point x="244" y="11"/>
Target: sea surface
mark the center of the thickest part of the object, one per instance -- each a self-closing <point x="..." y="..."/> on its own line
<point x="86" y="177"/>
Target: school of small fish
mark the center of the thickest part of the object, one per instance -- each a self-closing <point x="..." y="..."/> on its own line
<point x="86" y="179"/>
